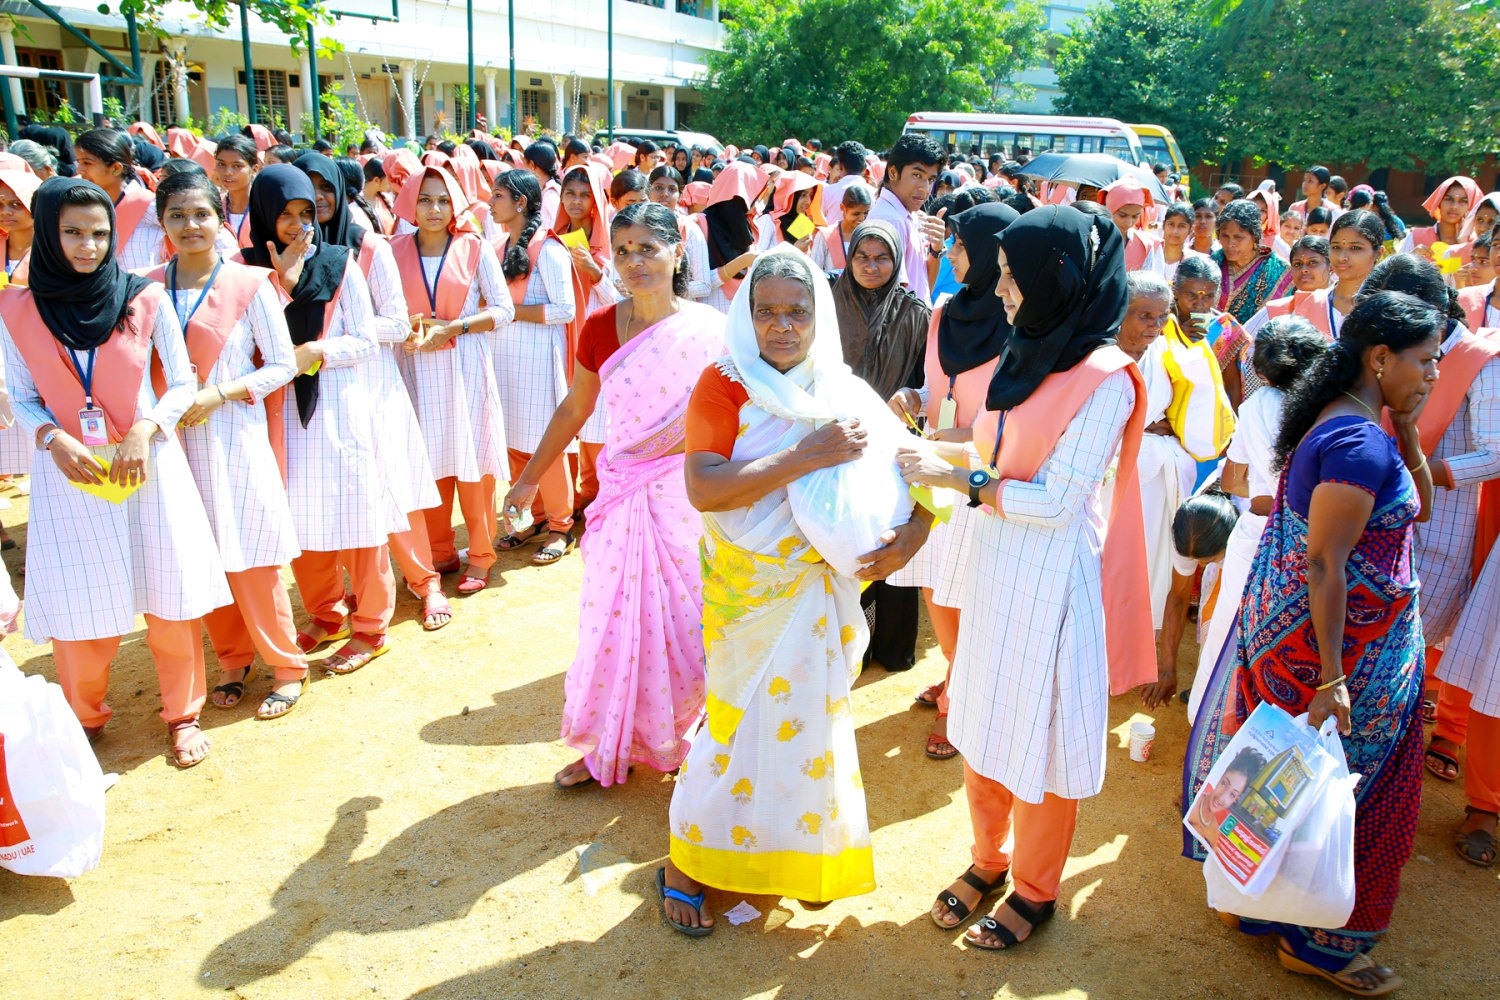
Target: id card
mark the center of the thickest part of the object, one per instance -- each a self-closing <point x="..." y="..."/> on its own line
<point x="91" y="421"/>
<point x="947" y="413"/>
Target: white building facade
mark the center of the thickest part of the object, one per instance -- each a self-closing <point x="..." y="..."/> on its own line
<point x="1060" y="17"/>
<point x="407" y="76"/>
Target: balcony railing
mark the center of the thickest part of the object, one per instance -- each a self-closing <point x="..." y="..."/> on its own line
<point x="692" y="8"/>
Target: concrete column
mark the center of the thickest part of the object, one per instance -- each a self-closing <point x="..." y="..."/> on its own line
<point x="8" y="46"/>
<point x="177" y="52"/>
<point x="559" y="102"/>
<point x="715" y="9"/>
<point x="669" y="107"/>
<point x="304" y="69"/>
<point x="491" y="122"/>
<point x="409" y="99"/>
<point x="619" y="121"/>
<point x="148" y="81"/>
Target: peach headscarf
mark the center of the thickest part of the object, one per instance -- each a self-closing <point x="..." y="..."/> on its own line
<point x="469" y="174"/>
<point x="737" y="180"/>
<point x="1435" y="200"/>
<point x="599" y="179"/>
<point x="621" y="154"/>
<point x="730" y="152"/>
<point x="1127" y="191"/>
<point x="821" y="166"/>
<point x="145" y="131"/>
<point x="435" y="158"/>
<point x="788" y="186"/>
<point x="695" y="193"/>
<point x="23" y="182"/>
<point x="185" y="145"/>
<point x="400" y="164"/>
<point x="406" y="201"/>
<point x="874" y="170"/>
<point x="493" y="169"/>
<point x="263" y="137"/>
<point x="10" y="161"/>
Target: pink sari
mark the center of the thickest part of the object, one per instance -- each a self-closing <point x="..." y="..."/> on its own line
<point x="637" y="682"/>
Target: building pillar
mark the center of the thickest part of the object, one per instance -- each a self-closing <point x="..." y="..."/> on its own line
<point x="619" y="121"/>
<point x="148" y="88"/>
<point x="715" y="10"/>
<point x="308" y="83"/>
<point x="409" y="99"/>
<point x="177" y="54"/>
<point x="559" y="103"/>
<point x="490" y="120"/>
<point x="669" y="107"/>
<point x="8" y="47"/>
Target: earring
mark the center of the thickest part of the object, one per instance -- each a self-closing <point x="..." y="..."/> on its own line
<point x="1379" y="373"/>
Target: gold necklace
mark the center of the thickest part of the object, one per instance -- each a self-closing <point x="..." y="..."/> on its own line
<point x="1361" y="402"/>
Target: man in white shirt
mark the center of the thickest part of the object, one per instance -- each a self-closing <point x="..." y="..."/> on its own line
<point x="910" y="172"/>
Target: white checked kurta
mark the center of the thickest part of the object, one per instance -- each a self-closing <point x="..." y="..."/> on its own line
<point x="1472" y="659"/>
<point x="455" y="392"/>
<point x="231" y="455"/>
<point x="335" y="484"/>
<point x="147" y="246"/>
<point x="91" y="565"/>
<point x="1443" y="548"/>
<point x="15" y="446"/>
<point x="1030" y="688"/>
<point x="530" y="358"/>
<point x="703" y="277"/>
<point x="398" y="436"/>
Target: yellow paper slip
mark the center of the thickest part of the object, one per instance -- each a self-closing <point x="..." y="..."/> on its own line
<point x="107" y="490"/>
<point x="939" y="502"/>
<point x="801" y="228"/>
<point x="577" y="238"/>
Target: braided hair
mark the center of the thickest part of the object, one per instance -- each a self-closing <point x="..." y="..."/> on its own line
<point x="522" y="185"/>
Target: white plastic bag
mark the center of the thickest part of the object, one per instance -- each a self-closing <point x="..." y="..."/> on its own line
<point x="51" y="788"/>
<point x="844" y="509"/>
<point x="1315" y="885"/>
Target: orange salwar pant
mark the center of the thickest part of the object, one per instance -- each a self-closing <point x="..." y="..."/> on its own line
<point x="320" y="580"/>
<point x="177" y="648"/>
<point x="1044" y="833"/>
<point x="412" y="550"/>
<point x="259" y="619"/>
<point x="1458" y="722"/>
<point x="554" y="495"/>
<point x="477" y="502"/>
<point x="588" y="472"/>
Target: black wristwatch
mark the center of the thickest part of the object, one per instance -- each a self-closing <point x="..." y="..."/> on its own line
<point x="978" y="480"/>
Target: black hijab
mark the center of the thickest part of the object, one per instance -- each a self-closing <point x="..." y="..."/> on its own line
<point x="340" y="230"/>
<point x="81" y="310"/>
<point x="148" y="156"/>
<point x="322" y="273"/>
<point x="763" y="153"/>
<point x="58" y="139"/>
<point x="729" y="232"/>
<point x="972" y="327"/>
<point x="1070" y="268"/>
<point x="482" y="149"/>
<point x="883" y="330"/>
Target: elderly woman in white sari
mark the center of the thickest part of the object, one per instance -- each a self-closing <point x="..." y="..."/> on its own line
<point x="790" y="458"/>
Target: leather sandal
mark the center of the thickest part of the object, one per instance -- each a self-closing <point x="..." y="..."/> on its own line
<point x="1358" y="963"/>
<point x="539" y="530"/>
<point x="553" y="551"/>
<point x="347" y="660"/>
<point x="336" y="631"/>
<point x="233" y="690"/>
<point x="443" y="608"/>
<point x="928" y="698"/>
<point x="1443" y="759"/>
<point x="956" y="906"/>
<point x="179" y="754"/>
<point x="1477" y="847"/>
<point x="276" y="698"/>
<point x="1034" y="914"/>
<point x="474" y="584"/>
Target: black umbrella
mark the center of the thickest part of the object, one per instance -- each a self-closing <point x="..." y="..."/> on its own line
<point x="1094" y="169"/>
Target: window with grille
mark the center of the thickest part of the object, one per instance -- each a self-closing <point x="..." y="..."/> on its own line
<point x="270" y="94"/>
<point x="163" y="94"/>
<point x="46" y="94"/>
<point x="531" y="104"/>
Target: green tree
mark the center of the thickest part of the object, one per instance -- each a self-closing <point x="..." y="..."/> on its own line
<point x="291" y="16"/>
<point x="855" y="69"/>
<point x="1153" y="61"/>
<point x="1390" y="83"/>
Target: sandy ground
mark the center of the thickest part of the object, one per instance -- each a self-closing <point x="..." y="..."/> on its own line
<point x="399" y="836"/>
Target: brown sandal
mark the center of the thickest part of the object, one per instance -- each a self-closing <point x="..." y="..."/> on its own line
<point x="347" y="661"/>
<point x="1475" y="845"/>
<point x="1358" y="963"/>
<point x="179" y="753"/>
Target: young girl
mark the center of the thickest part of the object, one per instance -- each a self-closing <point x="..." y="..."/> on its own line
<point x="445" y="267"/>
<point x="231" y="316"/>
<point x="531" y="353"/>
<point x="1176" y="228"/>
<point x="796" y="195"/>
<point x="77" y="348"/>
<point x="830" y="246"/>
<point x="1354" y="247"/>
<point x="235" y="164"/>
<point x="398" y="440"/>
<point x="334" y="482"/>
<point x="541" y="159"/>
<point x="16" y="190"/>
<point x="106" y="156"/>
<point x="1291" y="227"/>
<point x="726" y="226"/>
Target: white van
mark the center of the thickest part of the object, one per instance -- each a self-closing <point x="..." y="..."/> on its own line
<point x="963" y="131"/>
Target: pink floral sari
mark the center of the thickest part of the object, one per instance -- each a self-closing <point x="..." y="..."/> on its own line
<point x="637" y="683"/>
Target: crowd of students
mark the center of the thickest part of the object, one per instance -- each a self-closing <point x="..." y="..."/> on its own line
<point x="1132" y="402"/>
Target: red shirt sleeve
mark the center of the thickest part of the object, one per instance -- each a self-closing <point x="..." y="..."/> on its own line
<point x="598" y="339"/>
<point x="713" y="415"/>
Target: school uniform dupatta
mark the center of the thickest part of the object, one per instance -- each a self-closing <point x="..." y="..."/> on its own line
<point x="460" y="261"/>
<point x="636" y="684"/>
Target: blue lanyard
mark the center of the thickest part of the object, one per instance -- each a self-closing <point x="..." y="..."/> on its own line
<point x="201" y="295"/>
<point x="999" y="432"/>
<point x="86" y="379"/>
<point x="432" y="289"/>
<point x="1333" y="328"/>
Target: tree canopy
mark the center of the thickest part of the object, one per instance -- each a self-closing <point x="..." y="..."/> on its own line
<point x="855" y="69"/>
<point x="1392" y="84"/>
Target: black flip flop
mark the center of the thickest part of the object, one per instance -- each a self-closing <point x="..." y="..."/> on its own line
<point x="1472" y="846"/>
<point x="1445" y="757"/>
<point x="235" y="690"/>
<point x="511" y="542"/>
<point x="696" y="902"/>
<point x="1036" y="916"/>
<point x="282" y="699"/>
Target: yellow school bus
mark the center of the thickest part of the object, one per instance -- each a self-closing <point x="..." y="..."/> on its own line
<point x="1160" y="146"/>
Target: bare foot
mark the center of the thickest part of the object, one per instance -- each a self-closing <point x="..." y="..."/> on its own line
<point x="680" y="912"/>
<point x="575" y="774"/>
<point x="190" y="745"/>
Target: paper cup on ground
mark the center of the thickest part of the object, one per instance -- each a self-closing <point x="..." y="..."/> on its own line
<point x="1142" y="734"/>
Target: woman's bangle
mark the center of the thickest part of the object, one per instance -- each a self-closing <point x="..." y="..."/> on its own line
<point x="1340" y="679"/>
<point x="222" y="398"/>
<point x="1414" y="469"/>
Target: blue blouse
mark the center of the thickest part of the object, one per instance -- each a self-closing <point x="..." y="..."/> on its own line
<point x="1351" y="450"/>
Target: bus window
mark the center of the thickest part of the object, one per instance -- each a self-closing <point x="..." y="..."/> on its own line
<point x="1119" y="148"/>
<point x="1155" y="149"/>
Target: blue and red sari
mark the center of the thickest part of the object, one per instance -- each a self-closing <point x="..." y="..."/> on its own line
<point x="1275" y="659"/>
